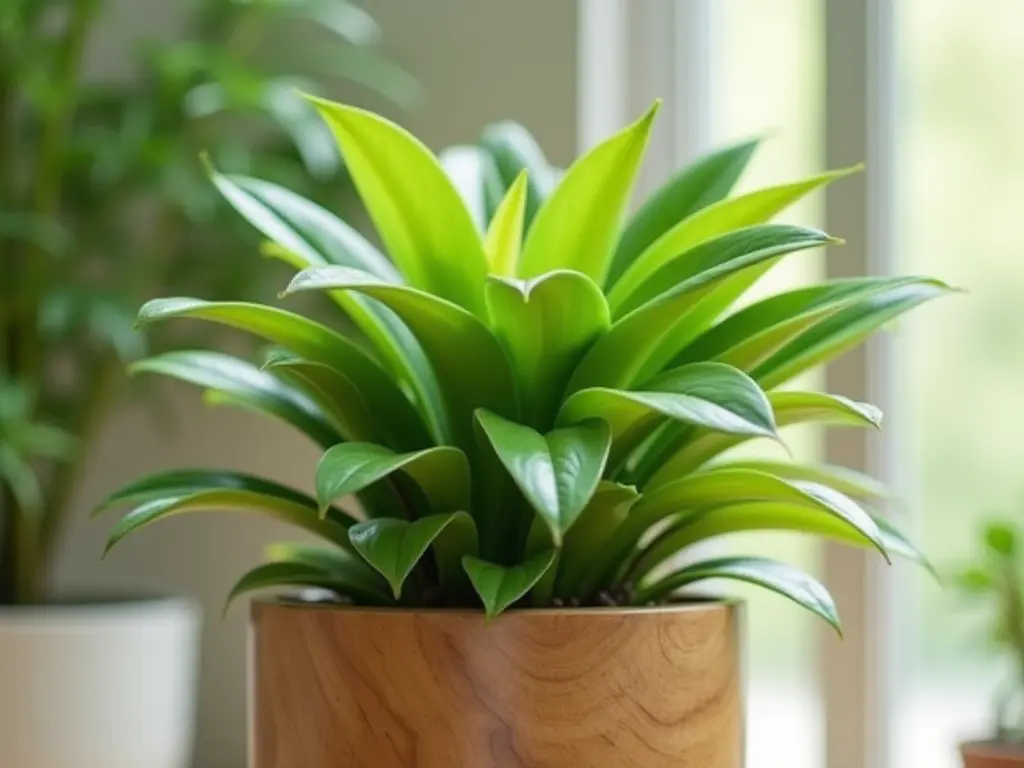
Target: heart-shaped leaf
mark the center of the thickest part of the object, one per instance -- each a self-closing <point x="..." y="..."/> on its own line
<point x="394" y="547"/>
<point x="557" y="472"/>
<point x="442" y="472"/>
<point x="499" y="587"/>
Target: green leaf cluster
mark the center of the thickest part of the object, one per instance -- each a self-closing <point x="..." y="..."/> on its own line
<point x="539" y="403"/>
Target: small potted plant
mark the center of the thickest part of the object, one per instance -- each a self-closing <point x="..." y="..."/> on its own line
<point x="997" y="576"/>
<point x="534" y="419"/>
<point x="103" y="200"/>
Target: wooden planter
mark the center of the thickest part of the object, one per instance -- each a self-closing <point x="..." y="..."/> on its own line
<point x="984" y="754"/>
<point x="337" y="687"/>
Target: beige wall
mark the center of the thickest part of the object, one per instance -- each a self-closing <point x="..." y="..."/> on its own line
<point x="480" y="60"/>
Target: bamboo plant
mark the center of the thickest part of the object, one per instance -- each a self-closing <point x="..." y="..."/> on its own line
<point x="541" y="401"/>
<point x="103" y="201"/>
<point x="997" y="577"/>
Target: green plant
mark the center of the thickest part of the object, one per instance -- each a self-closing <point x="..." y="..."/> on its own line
<point x="103" y="201"/>
<point x="538" y="405"/>
<point x="997" y="576"/>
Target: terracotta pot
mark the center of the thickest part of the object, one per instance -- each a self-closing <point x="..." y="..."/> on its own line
<point x="590" y="688"/>
<point x="990" y="754"/>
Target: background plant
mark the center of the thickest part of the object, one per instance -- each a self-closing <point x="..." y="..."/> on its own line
<point x="103" y="201"/>
<point x="997" y="577"/>
<point x="540" y="405"/>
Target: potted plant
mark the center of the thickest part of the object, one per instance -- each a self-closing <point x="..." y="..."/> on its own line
<point x="103" y="200"/>
<point x="996" y="576"/>
<point x="534" y="418"/>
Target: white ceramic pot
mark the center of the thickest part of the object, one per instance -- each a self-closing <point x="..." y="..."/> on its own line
<point x="104" y="685"/>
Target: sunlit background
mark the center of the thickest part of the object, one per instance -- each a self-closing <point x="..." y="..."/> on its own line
<point x="960" y="369"/>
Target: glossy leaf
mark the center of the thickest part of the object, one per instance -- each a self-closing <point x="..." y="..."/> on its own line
<point x="311" y="566"/>
<point x="449" y="335"/>
<point x="417" y="211"/>
<point x="306" y="235"/>
<point x="696" y="186"/>
<point x="841" y="520"/>
<point x="843" y="331"/>
<point x="846" y="481"/>
<point x="505" y="233"/>
<point x="338" y="398"/>
<point x="750" y="335"/>
<point x="247" y="385"/>
<point x="715" y="220"/>
<point x="578" y="225"/>
<point x="557" y="472"/>
<point x="284" y="508"/>
<point x="394" y="547"/>
<point x="306" y="339"/>
<point x="619" y="357"/>
<point x="709" y="395"/>
<point x="790" y="408"/>
<point x="442" y="472"/>
<point x="777" y="577"/>
<point x="547" y="324"/>
<point x="183" y="482"/>
<point x="499" y="587"/>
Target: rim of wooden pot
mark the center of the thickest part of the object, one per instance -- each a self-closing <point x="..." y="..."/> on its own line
<point x="695" y="605"/>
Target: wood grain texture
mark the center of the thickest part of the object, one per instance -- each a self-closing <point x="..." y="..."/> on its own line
<point x="989" y="755"/>
<point x="338" y="687"/>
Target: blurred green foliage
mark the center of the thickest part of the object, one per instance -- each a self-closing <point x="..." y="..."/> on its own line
<point x="104" y="201"/>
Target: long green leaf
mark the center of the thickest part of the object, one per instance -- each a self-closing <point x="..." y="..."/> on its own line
<point x="394" y="547"/>
<point x="751" y="335"/>
<point x="505" y="233"/>
<point x="717" y="219"/>
<point x="450" y="336"/>
<point x="557" y="472"/>
<point x="842" y="521"/>
<point x="619" y="358"/>
<point x="313" y="234"/>
<point x="287" y="573"/>
<point x="417" y="211"/>
<point x="285" y="508"/>
<point x="336" y="396"/>
<point x="247" y="385"/>
<point x="547" y="324"/>
<point x="709" y="395"/>
<point x="694" y="449"/>
<point x="183" y="482"/>
<point x="843" y="331"/>
<point x="846" y="481"/>
<point x="780" y="578"/>
<point x="499" y="587"/>
<point x="696" y="186"/>
<point x="306" y="339"/>
<point x="578" y="226"/>
<point x="309" y="236"/>
<point x="442" y="472"/>
<point x="722" y="486"/>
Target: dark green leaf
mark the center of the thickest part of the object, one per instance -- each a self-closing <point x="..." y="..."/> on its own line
<point x="557" y="472"/>
<point x="500" y="587"/>
<point x="778" y="577"/>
